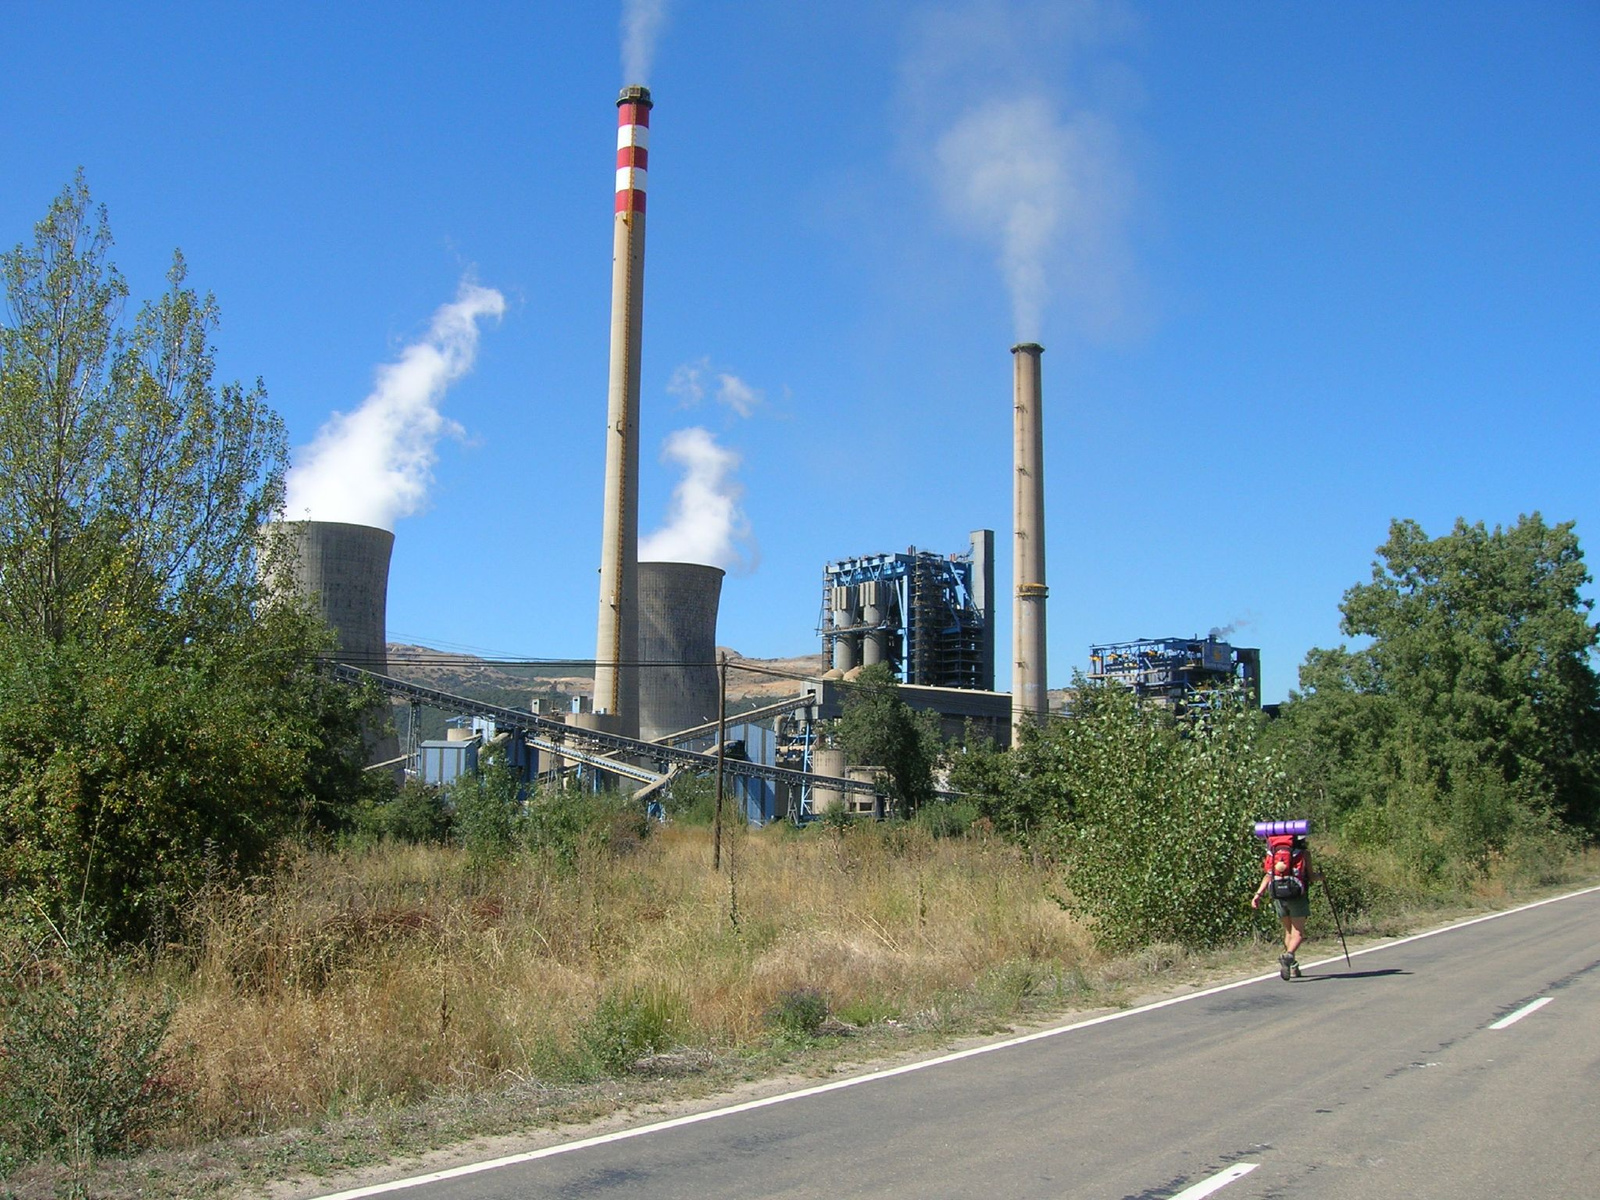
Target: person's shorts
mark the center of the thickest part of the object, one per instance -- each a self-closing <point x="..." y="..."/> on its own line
<point x="1300" y="906"/>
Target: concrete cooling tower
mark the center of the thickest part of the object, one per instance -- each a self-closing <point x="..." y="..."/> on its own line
<point x="343" y="570"/>
<point x="678" y="685"/>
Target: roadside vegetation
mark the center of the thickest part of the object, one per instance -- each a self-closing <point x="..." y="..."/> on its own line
<point x="214" y="928"/>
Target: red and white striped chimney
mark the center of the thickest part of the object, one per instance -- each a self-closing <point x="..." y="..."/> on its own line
<point x="616" y="676"/>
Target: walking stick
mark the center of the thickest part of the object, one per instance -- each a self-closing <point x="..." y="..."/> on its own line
<point x="1328" y="896"/>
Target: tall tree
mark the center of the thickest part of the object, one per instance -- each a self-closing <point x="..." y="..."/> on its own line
<point x="880" y="729"/>
<point x="1474" y="701"/>
<point x="157" y="724"/>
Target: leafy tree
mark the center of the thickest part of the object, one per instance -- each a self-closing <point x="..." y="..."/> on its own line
<point x="879" y="729"/>
<point x="1148" y="814"/>
<point x="158" y="722"/>
<point x="1472" y="710"/>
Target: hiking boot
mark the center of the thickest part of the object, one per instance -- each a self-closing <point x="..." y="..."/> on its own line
<point x="1294" y="968"/>
<point x="1285" y="965"/>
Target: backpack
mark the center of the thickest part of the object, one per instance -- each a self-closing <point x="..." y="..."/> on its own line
<point x="1288" y="862"/>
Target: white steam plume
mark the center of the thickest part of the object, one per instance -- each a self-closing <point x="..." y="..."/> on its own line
<point x="373" y="466"/>
<point x="1046" y="190"/>
<point x="1018" y="164"/>
<point x="642" y="22"/>
<point x="705" y="523"/>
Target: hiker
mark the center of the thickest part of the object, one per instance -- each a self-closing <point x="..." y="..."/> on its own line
<point x="1287" y="874"/>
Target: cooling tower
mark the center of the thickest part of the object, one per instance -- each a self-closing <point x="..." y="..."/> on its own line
<point x="1029" y="700"/>
<point x="678" y="686"/>
<point x="616" y="679"/>
<point x="343" y="570"/>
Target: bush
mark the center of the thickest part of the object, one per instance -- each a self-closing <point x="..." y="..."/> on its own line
<point x="415" y="814"/>
<point x="83" y="1072"/>
<point x="632" y="1022"/>
<point x="947" y="818"/>
<point x="1158" y="845"/>
<point x="487" y="810"/>
<point x="798" y="1013"/>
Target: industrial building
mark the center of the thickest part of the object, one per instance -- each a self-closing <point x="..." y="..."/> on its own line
<point x="930" y="617"/>
<point x="1172" y="671"/>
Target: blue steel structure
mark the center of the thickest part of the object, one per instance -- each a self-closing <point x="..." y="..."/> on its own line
<point x="927" y="617"/>
<point x="1172" y="670"/>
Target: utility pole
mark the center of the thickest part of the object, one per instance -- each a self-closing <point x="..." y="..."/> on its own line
<point x="722" y="741"/>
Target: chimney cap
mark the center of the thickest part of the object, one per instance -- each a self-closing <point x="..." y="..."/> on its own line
<point x="1027" y="348"/>
<point x="634" y="94"/>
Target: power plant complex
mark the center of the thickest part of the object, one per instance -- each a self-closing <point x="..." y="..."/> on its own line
<point x="657" y="704"/>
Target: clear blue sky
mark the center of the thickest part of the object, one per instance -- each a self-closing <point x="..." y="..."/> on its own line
<point x="1313" y="267"/>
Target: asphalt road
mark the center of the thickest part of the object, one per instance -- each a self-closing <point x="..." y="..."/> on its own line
<point x="1386" y="1079"/>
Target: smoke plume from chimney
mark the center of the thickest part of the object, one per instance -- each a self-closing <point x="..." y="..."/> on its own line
<point x="642" y="22"/>
<point x="373" y="466"/>
<point x="706" y="523"/>
<point x="1016" y="161"/>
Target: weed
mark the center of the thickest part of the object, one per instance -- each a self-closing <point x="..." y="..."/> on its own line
<point x="798" y="1013"/>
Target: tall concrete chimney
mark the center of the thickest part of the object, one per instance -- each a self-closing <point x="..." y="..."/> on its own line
<point x="1029" y="700"/>
<point x="616" y="676"/>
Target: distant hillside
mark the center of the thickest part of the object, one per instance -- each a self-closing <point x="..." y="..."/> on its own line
<point x="515" y="685"/>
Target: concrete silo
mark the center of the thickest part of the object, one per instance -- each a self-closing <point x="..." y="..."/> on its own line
<point x="678" y="686"/>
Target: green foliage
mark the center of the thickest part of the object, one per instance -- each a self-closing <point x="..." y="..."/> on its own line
<point x="879" y="729"/>
<point x="83" y="1069"/>
<point x="487" y="809"/>
<point x="1470" y="719"/>
<point x="947" y="818"/>
<point x="691" y="799"/>
<point x="798" y="1013"/>
<point x="1149" y="815"/>
<point x="631" y="1022"/>
<point x="564" y="824"/>
<point x="1158" y="845"/>
<point x="158" y="723"/>
<point x="415" y="813"/>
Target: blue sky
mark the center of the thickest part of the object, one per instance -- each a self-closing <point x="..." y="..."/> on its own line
<point x="1309" y="268"/>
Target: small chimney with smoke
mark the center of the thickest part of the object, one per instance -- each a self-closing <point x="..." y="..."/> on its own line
<point x="1029" y="698"/>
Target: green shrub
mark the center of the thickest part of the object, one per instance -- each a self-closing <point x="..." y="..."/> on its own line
<point x="83" y="1071"/>
<point x="947" y="818"/>
<point x="416" y="814"/>
<point x="1157" y="842"/>
<point x="799" y="1012"/>
<point x="487" y="809"/>
<point x="632" y="1022"/>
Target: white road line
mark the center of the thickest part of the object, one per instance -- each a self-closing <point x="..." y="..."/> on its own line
<point x="1513" y="1018"/>
<point x="397" y="1185"/>
<point x="1217" y="1182"/>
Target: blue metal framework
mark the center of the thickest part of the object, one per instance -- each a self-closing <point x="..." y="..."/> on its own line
<point x="928" y="617"/>
<point x="1172" y="669"/>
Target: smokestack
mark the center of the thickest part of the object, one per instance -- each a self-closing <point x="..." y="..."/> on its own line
<point x="678" y="688"/>
<point x="616" y="677"/>
<point x="1029" y="701"/>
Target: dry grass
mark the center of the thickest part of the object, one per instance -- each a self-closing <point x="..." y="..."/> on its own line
<point x="386" y="976"/>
